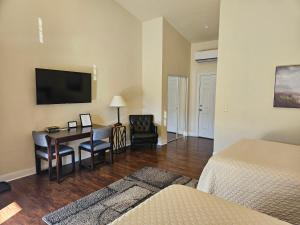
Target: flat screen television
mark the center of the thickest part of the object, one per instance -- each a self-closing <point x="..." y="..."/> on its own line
<point x="60" y="87"/>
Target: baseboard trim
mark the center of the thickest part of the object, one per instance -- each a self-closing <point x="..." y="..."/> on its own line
<point x="214" y="153"/>
<point x="17" y="174"/>
<point x="161" y="143"/>
<point x="192" y="134"/>
<point x="31" y="171"/>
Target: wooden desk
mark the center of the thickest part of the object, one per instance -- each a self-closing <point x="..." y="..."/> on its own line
<point x="68" y="135"/>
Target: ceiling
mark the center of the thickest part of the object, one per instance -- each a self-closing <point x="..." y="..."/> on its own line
<point x="196" y="20"/>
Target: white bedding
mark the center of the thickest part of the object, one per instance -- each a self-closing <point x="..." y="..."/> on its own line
<point x="181" y="205"/>
<point x="261" y="175"/>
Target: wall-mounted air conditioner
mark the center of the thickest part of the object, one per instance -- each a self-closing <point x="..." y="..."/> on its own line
<point x="206" y="56"/>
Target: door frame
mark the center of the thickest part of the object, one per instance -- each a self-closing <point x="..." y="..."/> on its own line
<point x="199" y="75"/>
<point x="185" y="134"/>
<point x="177" y="98"/>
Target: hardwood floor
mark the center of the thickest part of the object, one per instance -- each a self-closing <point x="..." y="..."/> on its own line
<point x="38" y="196"/>
<point x="172" y="136"/>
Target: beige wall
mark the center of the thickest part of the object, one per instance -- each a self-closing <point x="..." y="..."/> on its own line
<point x="255" y="37"/>
<point x="77" y="34"/>
<point x="152" y="67"/>
<point x="165" y="51"/>
<point x="176" y="61"/>
<point x="196" y="70"/>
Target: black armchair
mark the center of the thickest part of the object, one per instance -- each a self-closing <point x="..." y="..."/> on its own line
<point x="142" y="130"/>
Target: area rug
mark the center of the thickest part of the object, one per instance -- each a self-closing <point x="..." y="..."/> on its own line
<point x="109" y="203"/>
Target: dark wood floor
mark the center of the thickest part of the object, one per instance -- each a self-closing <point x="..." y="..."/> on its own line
<point x="172" y="136"/>
<point x="38" y="196"/>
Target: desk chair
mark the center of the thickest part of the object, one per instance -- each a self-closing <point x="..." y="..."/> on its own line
<point x="97" y="145"/>
<point x="44" y="150"/>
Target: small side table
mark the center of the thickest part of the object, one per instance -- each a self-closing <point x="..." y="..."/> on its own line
<point x="119" y="139"/>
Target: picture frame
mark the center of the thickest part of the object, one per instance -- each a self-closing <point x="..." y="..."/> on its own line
<point x="85" y="120"/>
<point x="287" y="87"/>
<point x="72" y="124"/>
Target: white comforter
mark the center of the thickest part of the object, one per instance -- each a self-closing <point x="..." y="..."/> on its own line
<point x="181" y="205"/>
<point x="261" y="175"/>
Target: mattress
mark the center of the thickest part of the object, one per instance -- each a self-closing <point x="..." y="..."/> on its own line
<point x="261" y="175"/>
<point x="181" y="205"/>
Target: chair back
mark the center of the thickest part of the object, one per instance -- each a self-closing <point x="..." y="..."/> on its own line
<point x="40" y="139"/>
<point x="101" y="133"/>
<point x="141" y="123"/>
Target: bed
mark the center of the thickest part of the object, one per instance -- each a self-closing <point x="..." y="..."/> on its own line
<point x="258" y="174"/>
<point x="181" y="205"/>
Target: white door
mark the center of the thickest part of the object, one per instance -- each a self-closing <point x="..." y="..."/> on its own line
<point x="172" y="123"/>
<point x="182" y="105"/>
<point x="206" y="106"/>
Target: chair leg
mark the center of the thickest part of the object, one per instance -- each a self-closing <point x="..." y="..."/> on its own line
<point x="111" y="156"/>
<point x="50" y="169"/>
<point x="73" y="162"/>
<point x="79" y="155"/>
<point x="37" y="165"/>
<point x="92" y="160"/>
<point x="60" y="167"/>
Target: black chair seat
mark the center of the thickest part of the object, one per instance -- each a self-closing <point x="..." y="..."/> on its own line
<point x="63" y="150"/>
<point x="98" y="145"/>
<point x="144" y="135"/>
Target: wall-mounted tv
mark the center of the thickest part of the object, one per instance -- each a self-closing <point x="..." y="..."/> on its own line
<point x="59" y="87"/>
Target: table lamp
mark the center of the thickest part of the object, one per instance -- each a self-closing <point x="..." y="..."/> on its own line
<point x="118" y="102"/>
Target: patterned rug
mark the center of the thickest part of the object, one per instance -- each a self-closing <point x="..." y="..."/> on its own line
<point x="109" y="203"/>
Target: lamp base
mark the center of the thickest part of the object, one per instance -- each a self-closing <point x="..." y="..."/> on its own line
<point x="117" y="124"/>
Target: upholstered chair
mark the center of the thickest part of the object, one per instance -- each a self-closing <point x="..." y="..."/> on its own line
<point x="44" y="150"/>
<point x="100" y="141"/>
<point x="143" y="130"/>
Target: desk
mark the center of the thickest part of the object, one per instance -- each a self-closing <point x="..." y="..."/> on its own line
<point x="69" y="135"/>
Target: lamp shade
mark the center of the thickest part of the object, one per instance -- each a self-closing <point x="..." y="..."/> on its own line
<point x="117" y="101"/>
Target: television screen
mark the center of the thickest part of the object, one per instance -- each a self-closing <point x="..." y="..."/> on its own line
<point x="58" y="87"/>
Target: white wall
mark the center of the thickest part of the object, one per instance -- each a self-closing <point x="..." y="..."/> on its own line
<point x="255" y="37"/>
<point x="198" y="68"/>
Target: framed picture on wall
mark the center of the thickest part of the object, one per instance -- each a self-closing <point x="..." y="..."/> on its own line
<point x="86" y="120"/>
<point x="287" y="87"/>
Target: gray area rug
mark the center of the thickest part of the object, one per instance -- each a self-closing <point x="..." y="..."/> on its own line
<point x="109" y="203"/>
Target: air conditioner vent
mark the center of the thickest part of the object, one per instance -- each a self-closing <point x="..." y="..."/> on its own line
<point x="206" y="56"/>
